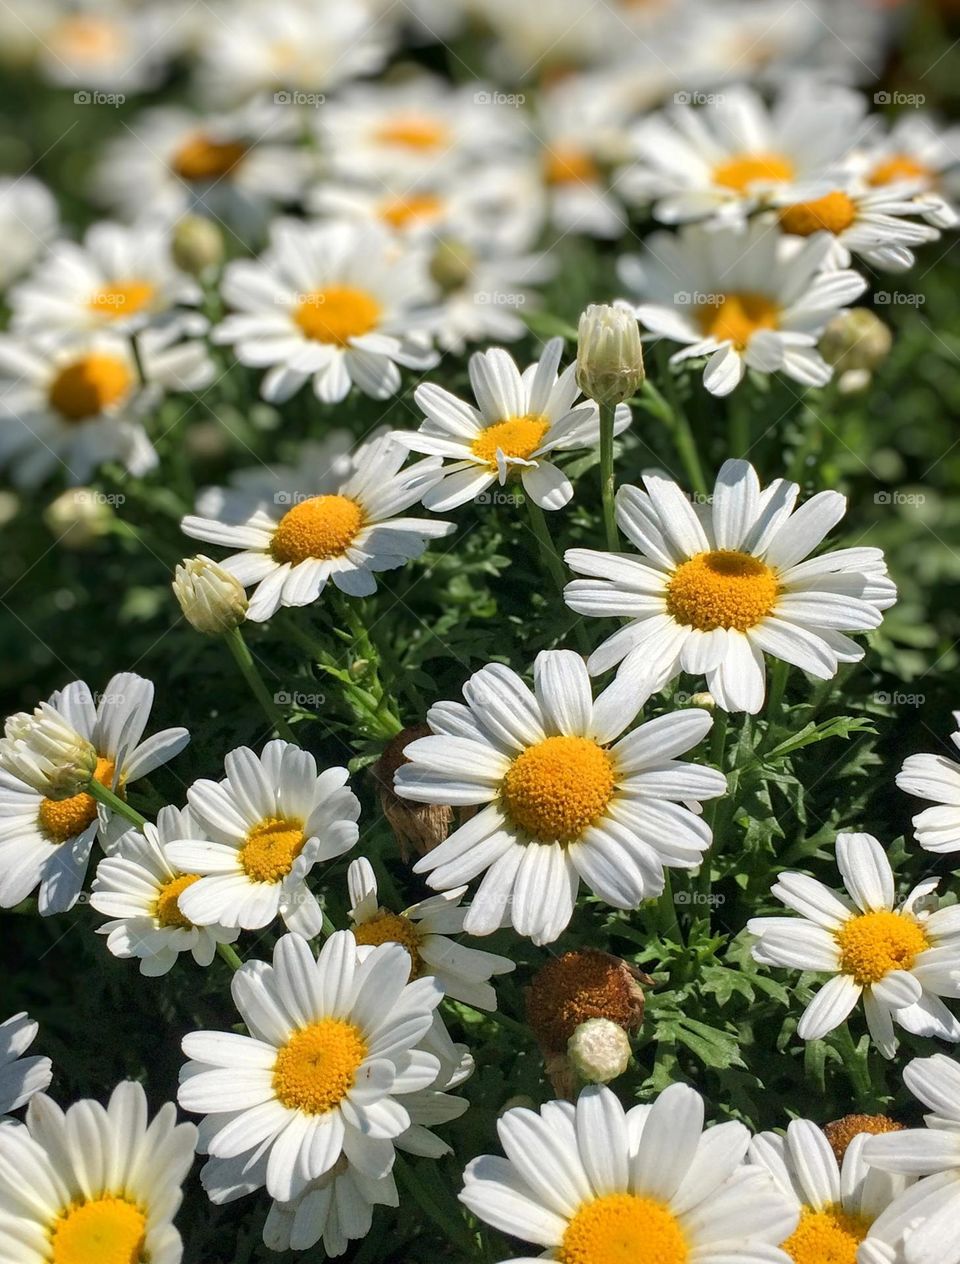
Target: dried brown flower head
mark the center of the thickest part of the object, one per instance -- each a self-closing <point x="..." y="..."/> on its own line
<point x="417" y="826"/>
<point x="580" y="985"/>
<point x="840" y="1132"/>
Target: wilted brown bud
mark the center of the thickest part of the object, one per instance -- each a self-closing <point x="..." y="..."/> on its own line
<point x="417" y="826"/>
<point x="577" y="986"/>
<point x="840" y="1132"/>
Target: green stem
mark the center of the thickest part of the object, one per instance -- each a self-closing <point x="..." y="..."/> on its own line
<point x="230" y="956"/>
<point x="778" y="682"/>
<point x="683" y="439"/>
<point x="551" y="561"/>
<point x="138" y="359"/>
<point x="738" y="419"/>
<point x="328" y="926"/>
<point x="607" y="485"/>
<point x="248" y="669"/>
<point x="857" y="1066"/>
<point x="449" y="1223"/>
<point x="103" y="794"/>
<point x="718" y="740"/>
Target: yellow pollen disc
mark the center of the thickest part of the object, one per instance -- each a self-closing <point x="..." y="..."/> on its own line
<point x="125" y="298"/>
<point x="168" y="909"/>
<point x="60" y="819"/>
<point x="828" y="1236"/>
<point x="623" y="1229"/>
<point x="899" y="167"/>
<point x="412" y="132"/>
<point x="566" y="164"/>
<point x="737" y="317"/>
<point x="722" y="589"/>
<point x="833" y="213"/>
<point x="337" y="314"/>
<point x="517" y="437"/>
<point x="202" y="158"/>
<point x="555" y="789"/>
<point x="317" y="1066"/>
<point x="271" y="848"/>
<point x="875" y="943"/>
<point x="416" y="208"/>
<point x="392" y="928"/>
<point x="321" y="527"/>
<point x="86" y="36"/>
<point x="105" y="1230"/>
<point x="743" y="170"/>
<point x="86" y="387"/>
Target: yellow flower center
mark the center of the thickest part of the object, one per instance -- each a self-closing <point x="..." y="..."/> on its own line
<point x="828" y="1236"/>
<point x="833" y="213"/>
<point x="739" y="172"/>
<point x="392" y="928"/>
<point x="321" y="527"/>
<point x="317" y="1066"/>
<point x="623" y="1229"/>
<point x="85" y="387"/>
<point x="516" y="437"/>
<point x="875" y="943"/>
<point x="337" y="314"/>
<point x="415" y="208"/>
<point x="60" y="819"/>
<point x="202" y="158"/>
<point x="567" y="164"/>
<point x="106" y="1230"/>
<point x="737" y="317"/>
<point x="167" y="910"/>
<point x="124" y="298"/>
<point x="87" y="37"/>
<point x="899" y="167"/>
<point x="555" y="789"/>
<point x="722" y="589"/>
<point x="271" y="848"/>
<point x="413" y="132"/>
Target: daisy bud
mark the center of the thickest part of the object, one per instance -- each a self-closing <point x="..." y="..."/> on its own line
<point x="706" y="701"/>
<point x="599" y="1051"/>
<point x="197" y="244"/>
<point x="42" y="750"/>
<point x="577" y="986"/>
<point x="609" y="354"/>
<point x="212" y="599"/>
<point x="840" y="1132"/>
<point x="421" y="826"/>
<point x="451" y="264"/>
<point x="856" y="340"/>
<point x="78" y="517"/>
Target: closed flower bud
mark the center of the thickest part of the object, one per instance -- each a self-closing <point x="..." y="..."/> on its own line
<point x="212" y="599"/>
<point x="705" y="700"/>
<point x="856" y="340"/>
<point x="609" y="354"/>
<point x="579" y="985"/>
<point x="420" y="826"/>
<point x="78" y="517"/>
<point x="41" y="749"/>
<point x="451" y="264"/>
<point x="599" y="1051"/>
<point x="197" y="244"/>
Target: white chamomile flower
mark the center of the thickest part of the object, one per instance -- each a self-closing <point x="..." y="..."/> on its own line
<point x="841" y="1206"/>
<point x="715" y="590"/>
<point x="936" y="778"/>
<point x="744" y="299"/>
<point x="344" y="535"/>
<point x="28" y="221"/>
<point x="336" y="304"/>
<point x="48" y="841"/>
<point x="722" y="160"/>
<point x="517" y="423"/>
<point x="331" y="1052"/>
<point x="564" y="799"/>
<point x="424" y="930"/>
<point x="899" y="960"/>
<point x="93" y="1183"/>
<point x="269" y="821"/>
<point x="593" y="1182"/>
<point x="140" y="891"/>
<point x="108" y="48"/>
<point x="917" y="149"/>
<point x="20" y="1077"/>
<point x="926" y="1213"/>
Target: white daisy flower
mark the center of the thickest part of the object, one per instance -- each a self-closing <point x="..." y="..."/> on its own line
<point x="269" y="821"/>
<point x="722" y="160"/>
<point x="518" y="422"/>
<point x="95" y="1183"/>
<point x="331" y="1052"/>
<point x="841" y="1207"/>
<point x="744" y="299"/>
<point x="337" y="304"/>
<point x="715" y="588"/>
<point x="140" y="891"/>
<point x="917" y="149"/>
<point x="424" y="930"/>
<point x="112" y="48"/>
<point x="936" y="778"/>
<point x="20" y="1077"/>
<point x="564" y="800"/>
<point x="344" y="535"/>
<point x="28" y="222"/>
<point x="48" y="841"/>
<point x="484" y="293"/>
<point x="593" y="1182"/>
<point x="900" y="960"/>
<point x="926" y="1213"/>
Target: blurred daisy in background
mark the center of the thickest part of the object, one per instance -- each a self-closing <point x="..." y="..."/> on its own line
<point x="104" y="47"/>
<point x="268" y="822"/>
<point x="917" y="148"/>
<point x="713" y="591"/>
<point x="20" y="1077"/>
<point x="140" y="890"/>
<point x="344" y="536"/>
<point x="899" y="960"/>
<point x="559" y="799"/>
<point x="936" y="778"/>
<point x="29" y="220"/>
<point x="742" y="299"/>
